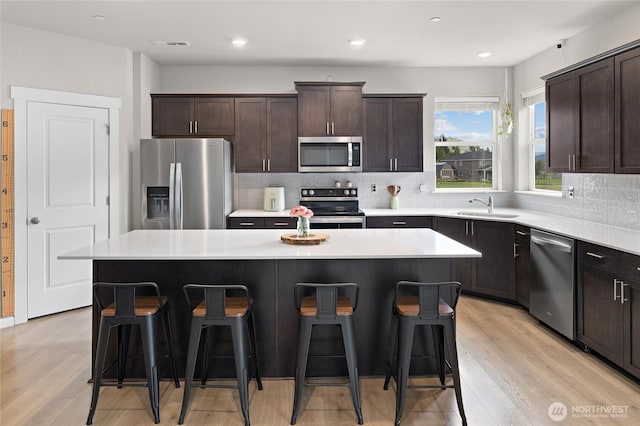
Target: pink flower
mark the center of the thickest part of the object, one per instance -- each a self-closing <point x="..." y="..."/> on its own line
<point x="300" y="211"/>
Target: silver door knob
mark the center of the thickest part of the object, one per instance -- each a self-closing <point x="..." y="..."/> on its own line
<point x="35" y="220"/>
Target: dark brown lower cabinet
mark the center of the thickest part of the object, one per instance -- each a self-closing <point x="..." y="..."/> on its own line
<point x="609" y="304"/>
<point x="494" y="273"/>
<point x="522" y="252"/>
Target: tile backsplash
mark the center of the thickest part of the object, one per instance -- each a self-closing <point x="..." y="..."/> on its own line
<point x="602" y="198"/>
<point x="250" y="189"/>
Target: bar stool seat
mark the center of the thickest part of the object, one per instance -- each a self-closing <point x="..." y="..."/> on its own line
<point x="220" y="308"/>
<point x="329" y="304"/>
<point x="121" y="306"/>
<point x="426" y="308"/>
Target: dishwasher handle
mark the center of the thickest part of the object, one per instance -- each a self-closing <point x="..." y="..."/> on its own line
<point x="558" y="245"/>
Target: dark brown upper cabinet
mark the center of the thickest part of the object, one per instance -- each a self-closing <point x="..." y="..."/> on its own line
<point x="580" y="120"/>
<point x="392" y="133"/>
<point x="627" y="112"/>
<point x="266" y="136"/>
<point x="592" y="115"/>
<point x="329" y="108"/>
<point x="200" y="116"/>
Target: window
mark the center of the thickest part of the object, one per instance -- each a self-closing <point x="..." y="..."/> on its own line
<point x="465" y="142"/>
<point x="540" y="178"/>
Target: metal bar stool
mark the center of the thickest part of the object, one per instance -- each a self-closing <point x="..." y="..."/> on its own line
<point x="425" y="305"/>
<point x="331" y="304"/>
<point x="122" y="306"/>
<point x="218" y="307"/>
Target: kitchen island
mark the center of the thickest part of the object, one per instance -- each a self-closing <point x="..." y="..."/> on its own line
<point x="374" y="258"/>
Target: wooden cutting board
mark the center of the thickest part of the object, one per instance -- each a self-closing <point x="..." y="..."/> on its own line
<point x="312" y="239"/>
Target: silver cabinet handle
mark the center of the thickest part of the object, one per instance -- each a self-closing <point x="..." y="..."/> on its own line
<point x="569" y="162"/>
<point x="247" y="224"/>
<point x="390" y="164"/>
<point x="596" y="255"/>
<point x="280" y="223"/>
<point x="638" y="268"/>
<point x="622" y="299"/>
<point x="35" y="220"/>
<point x="328" y="128"/>
<point x="396" y="165"/>
<point x="399" y="223"/>
<point x="521" y="233"/>
<point x="268" y="164"/>
<point x="615" y="289"/>
<point x="333" y="128"/>
<point x="190" y="126"/>
<point x="472" y="228"/>
<point x="515" y="250"/>
<point x="574" y="162"/>
<point x="196" y="126"/>
<point x="263" y="168"/>
<point x="466" y="227"/>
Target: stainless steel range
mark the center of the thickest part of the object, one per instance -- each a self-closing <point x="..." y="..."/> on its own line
<point x="333" y="207"/>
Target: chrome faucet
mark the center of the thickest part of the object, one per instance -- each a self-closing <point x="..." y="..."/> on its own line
<point x="488" y="203"/>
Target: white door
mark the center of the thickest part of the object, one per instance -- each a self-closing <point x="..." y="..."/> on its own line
<point x="67" y="205"/>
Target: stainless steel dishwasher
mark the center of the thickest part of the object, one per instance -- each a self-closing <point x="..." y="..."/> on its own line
<point x="552" y="293"/>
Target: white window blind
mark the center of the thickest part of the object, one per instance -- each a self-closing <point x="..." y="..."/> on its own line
<point x="534" y="96"/>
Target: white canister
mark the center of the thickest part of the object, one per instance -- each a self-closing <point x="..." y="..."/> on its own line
<point x="274" y="198"/>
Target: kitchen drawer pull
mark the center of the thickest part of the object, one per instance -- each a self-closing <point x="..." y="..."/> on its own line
<point x="190" y="126"/>
<point x="327" y="127"/>
<point x="596" y="255"/>
<point x="615" y="289"/>
<point x="521" y="233"/>
<point x="247" y="224"/>
<point x="515" y="250"/>
<point x="399" y="222"/>
<point x="196" y="126"/>
<point x="333" y="128"/>
<point x="390" y="164"/>
<point x="280" y="223"/>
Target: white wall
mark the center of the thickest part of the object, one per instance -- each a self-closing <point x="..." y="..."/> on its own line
<point x="44" y="60"/>
<point x="602" y="198"/>
<point x="146" y="80"/>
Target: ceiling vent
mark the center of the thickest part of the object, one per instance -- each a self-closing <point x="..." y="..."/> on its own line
<point x="172" y="43"/>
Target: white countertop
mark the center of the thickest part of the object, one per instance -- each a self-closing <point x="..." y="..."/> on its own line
<point x="613" y="237"/>
<point x="261" y="244"/>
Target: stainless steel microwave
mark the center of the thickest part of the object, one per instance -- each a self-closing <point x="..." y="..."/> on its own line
<point x="330" y="154"/>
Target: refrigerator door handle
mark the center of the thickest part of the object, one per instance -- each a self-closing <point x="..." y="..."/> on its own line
<point x="172" y="195"/>
<point x="179" y="221"/>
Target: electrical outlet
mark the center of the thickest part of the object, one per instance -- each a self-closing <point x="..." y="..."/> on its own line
<point x="374" y="188"/>
<point x="571" y="192"/>
<point x="423" y="187"/>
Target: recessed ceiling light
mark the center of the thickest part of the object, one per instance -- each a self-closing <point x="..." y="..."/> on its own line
<point x="99" y="18"/>
<point x="484" y="54"/>
<point x="357" y="42"/>
<point x="239" y="42"/>
<point x="435" y="19"/>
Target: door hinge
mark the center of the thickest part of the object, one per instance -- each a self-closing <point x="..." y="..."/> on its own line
<point x="108" y="201"/>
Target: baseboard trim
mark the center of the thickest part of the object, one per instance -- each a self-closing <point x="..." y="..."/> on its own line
<point x="7" y="322"/>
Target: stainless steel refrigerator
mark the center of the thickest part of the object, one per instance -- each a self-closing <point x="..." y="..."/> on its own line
<point x="186" y="183"/>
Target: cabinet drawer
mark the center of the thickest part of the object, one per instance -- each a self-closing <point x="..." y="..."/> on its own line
<point x="598" y="256"/>
<point x="280" y="222"/>
<point x="399" y="222"/>
<point x="245" y="222"/>
<point x="630" y="267"/>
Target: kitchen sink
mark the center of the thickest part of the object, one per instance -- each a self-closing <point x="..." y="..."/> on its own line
<point x="487" y="214"/>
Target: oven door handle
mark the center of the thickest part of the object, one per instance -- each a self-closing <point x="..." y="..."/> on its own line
<point x="317" y="219"/>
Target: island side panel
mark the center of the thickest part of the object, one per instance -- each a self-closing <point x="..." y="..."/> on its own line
<point x="170" y="275"/>
<point x="377" y="279"/>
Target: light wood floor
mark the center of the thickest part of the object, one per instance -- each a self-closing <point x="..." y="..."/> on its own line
<point x="512" y="369"/>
